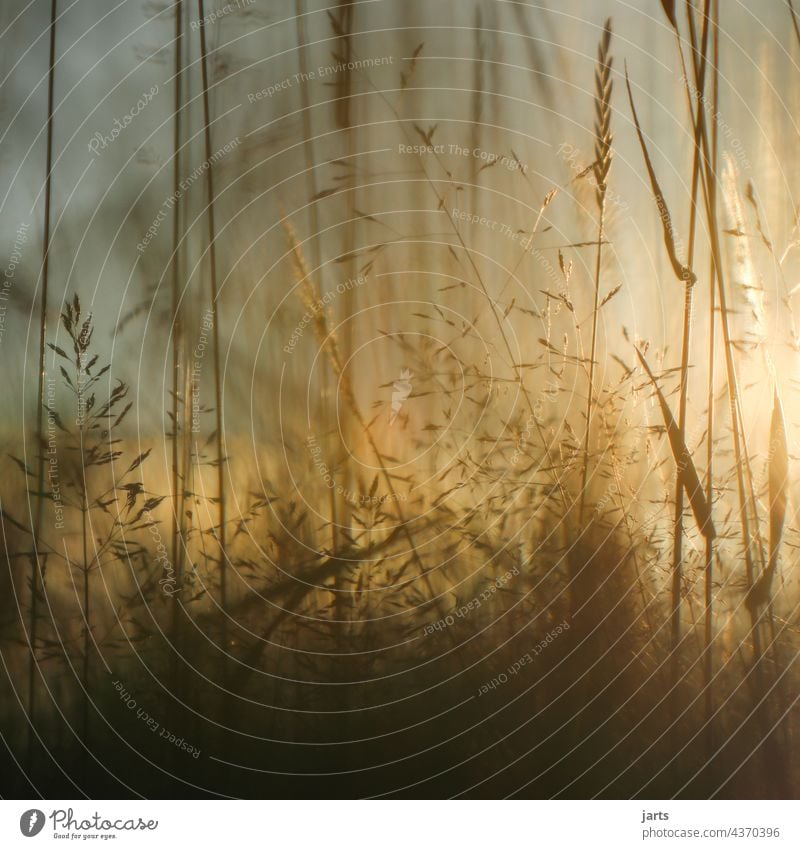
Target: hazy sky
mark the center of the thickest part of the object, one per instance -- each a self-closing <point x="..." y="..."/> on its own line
<point x="110" y="56"/>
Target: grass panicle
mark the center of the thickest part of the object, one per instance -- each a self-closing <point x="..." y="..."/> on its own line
<point x="602" y="164"/>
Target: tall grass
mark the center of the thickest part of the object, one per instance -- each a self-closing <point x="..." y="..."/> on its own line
<point x="385" y="607"/>
<point x="222" y="531"/>
<point x="37" y="571"/>
<point x="342" y="25"/>
<point x="697" y="123"/>
<point x="602" y="164"/>
<point x="178" y="370"/>
<point x="708" y="666"/>
<point x="316" y="249"/>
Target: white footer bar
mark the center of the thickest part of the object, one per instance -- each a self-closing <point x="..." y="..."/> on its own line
<point x="401" y="824"/>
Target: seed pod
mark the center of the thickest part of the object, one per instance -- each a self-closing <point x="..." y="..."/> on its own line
<point x="669" y="11"/>
<point x="778" y="479"/>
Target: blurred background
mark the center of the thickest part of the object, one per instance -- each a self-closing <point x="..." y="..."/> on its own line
<point x="360" y="434"/>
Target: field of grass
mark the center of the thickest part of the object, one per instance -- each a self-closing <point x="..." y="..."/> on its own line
<point x="402" y="400"/>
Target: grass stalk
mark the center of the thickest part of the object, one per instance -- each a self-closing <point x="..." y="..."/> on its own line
<point x="602" y="153"/>
<point x="677" y="550"/>
<point x="343" y="24"/>
<point x="329" y="345"/>
<point x="708" y="656"/>
<point x="37" y="572"/>
<point x="739" y="447"/>
<point x="178" y="432"/>
<point x="212" y="251"/>
<point x="316" y="256"/>
<point x="552" y="465"/>
<point x="683" y="459"/>
<point x="87" y="621"/>
<point x="775" y="766"/>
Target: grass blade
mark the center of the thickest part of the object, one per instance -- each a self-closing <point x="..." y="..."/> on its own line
<point x="684" y="274"/>
<point x="778" y="480"/>
<point x="691" y="480"/>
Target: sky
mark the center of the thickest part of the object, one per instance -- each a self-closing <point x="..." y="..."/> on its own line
<point x="535" y="60"/>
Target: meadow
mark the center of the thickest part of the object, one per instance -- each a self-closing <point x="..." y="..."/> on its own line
<point x="401" y="401"/>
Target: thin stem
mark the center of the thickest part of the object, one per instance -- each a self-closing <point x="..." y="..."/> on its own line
<point x="343" y="107"/>
<point x="308" y="149"/>
<point x="708" y="665"/>
<point x="739" y="447"/>
<point x="178" y="432"/>
<point x="37" y="578"/>
<point x="222" y="534"/>
<point x="592" y="355"/>
<point x="733" y="392"/>
<point x="86" y="613"/>
<point x="552" y="465"/>
<point x="677" y="551"/>
<point x="601" y="167"/>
